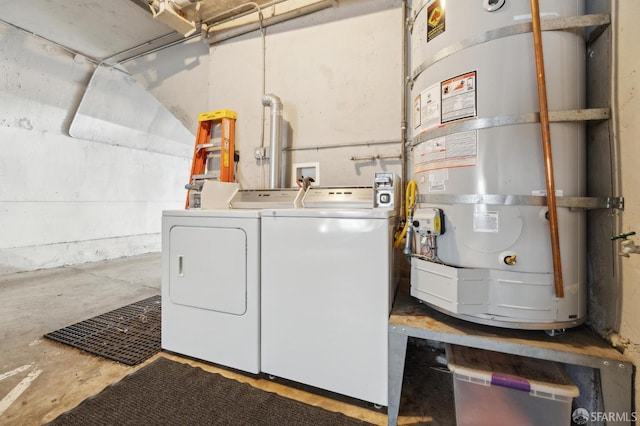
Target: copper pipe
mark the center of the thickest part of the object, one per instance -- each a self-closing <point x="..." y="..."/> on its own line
<point x="546" y="148"/>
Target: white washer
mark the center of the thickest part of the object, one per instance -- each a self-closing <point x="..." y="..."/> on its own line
<point x="211" y="286"/>
<point x="327" y="290"/>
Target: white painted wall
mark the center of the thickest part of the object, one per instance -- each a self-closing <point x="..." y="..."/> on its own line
<point x="627" y="110"/>
<point x="178" y="77"/>
<point x="65" y="200"/>
<point x="338" y="73"/>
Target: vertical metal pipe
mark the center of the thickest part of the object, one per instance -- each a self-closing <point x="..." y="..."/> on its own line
<point x="403" y="125"/>
<point x="546" y="149"/>
<point x="275" y="151"/>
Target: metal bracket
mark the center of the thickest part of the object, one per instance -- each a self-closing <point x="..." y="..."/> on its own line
<point x="615" y="203"/>
<point x="409" y="23"/>
<point x="509" y="120"/>
<point x="581" y="203"/>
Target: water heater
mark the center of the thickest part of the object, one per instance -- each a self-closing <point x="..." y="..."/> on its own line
<point x="478" y="161"/>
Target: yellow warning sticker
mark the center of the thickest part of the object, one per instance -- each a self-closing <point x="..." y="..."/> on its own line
<point x="435" y="20"/>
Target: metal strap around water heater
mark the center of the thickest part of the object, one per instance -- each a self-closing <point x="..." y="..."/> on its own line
<point x="509" y="120"/>
<point x="511" y="30"/>
<point x="586" y="203"/>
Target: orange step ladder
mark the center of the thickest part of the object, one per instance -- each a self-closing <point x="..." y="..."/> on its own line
<point x="215" y="143"/>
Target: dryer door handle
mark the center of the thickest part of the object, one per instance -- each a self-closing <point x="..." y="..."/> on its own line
<point x="180" y="266"/>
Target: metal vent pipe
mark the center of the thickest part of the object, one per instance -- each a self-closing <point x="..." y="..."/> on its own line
<point x="275" y="151"/>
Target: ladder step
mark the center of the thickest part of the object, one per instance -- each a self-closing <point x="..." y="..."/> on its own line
<point x="209" y="146"/>
<point x="206" y="176"/>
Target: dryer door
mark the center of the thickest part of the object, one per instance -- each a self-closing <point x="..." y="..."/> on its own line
<point x="208" y="268"/>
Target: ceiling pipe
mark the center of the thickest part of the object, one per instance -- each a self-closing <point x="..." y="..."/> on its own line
<point x="228" y="15"/>
<point x="184" y="3"/>
<point x="216" y="36"/>
<point x="275" y="175"/>
<point x="74" y="52"/>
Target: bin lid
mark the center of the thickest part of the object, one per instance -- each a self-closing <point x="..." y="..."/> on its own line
<point x="511" y="371"/>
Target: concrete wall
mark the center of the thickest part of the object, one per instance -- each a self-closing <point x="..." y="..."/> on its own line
<point x="338" y="73"/>
<point x="66" y="200"/>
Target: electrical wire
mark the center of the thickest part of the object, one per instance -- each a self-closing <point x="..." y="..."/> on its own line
<point x="257" y="7"/>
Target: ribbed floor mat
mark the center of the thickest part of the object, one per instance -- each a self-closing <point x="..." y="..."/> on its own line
<point x="128" y="335"/>
<point x="166" y="392"/>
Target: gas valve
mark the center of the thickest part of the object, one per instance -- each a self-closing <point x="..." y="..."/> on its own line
<point x="428" y="221"/>
<point x="626" y="246"/>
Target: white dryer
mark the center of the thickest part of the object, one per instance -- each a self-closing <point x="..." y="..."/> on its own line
<point x="211" y="286"/>
<point x="211" y="278"/>
<point x="327" y="290"/>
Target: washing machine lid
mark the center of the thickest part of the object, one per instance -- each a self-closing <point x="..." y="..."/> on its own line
<point x="339" y="197"/>
<point x="222" y="213"/>
<point x="331" y="213"/>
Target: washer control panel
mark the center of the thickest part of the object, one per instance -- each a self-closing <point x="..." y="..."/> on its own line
<point x="386" y="187"/>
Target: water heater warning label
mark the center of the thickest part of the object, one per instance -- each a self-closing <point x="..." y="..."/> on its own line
<point x="435" y="19"/>
<point x="459" y="97"/>
<point x="456" y="150"/>
<point x="426" y="109"/>
<point x="485" y="221"/>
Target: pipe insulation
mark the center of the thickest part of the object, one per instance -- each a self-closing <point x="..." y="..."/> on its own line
<point x="184" y="3"/>
<point x="275" y="150"/>
<point x="217" y="36"/>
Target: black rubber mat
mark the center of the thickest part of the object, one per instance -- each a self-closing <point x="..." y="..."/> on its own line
<point x="128" y="335"/>
<point x="166" y="392"/>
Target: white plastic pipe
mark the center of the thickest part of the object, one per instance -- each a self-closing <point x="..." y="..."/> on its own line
<point x="275" y="175"/>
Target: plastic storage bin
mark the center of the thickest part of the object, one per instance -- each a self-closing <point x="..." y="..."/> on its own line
<point x="497" y="389"/>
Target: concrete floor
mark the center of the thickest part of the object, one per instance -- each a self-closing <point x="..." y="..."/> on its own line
<point x="40" y="379"/>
